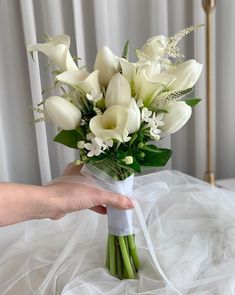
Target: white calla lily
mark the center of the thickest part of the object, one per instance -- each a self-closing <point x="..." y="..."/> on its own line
<point x="178" y="115"/>
<point x="57" y="49"/>
<point x="186" y="75"/>
<point x="63" y="113"/>
<point x="107" y="65"/>
<point x="128" y="68"/>
<point x="81" y="80"/>
<point x="148" y="84"/>
<point x="118" y="91"/>
<point x="111" y="124"/>
<point x="133" y="121"/>
<point x="154" y="48"/>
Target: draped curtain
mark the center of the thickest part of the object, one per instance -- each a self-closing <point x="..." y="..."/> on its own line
<point x="27" y="152"/>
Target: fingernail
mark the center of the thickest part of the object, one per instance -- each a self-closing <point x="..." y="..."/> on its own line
<point x="129" y="203"/>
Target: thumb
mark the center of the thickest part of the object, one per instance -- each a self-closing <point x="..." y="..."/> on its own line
<point x="117" y="201"/>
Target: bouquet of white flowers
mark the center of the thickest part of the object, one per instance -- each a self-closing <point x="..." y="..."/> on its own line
<point x="115" y="115"/>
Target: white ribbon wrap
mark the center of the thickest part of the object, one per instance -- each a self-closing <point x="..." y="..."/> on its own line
<point x="119" y="221"/>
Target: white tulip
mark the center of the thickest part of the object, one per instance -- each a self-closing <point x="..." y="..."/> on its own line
<point x="154" y="48"/>
<point x="133" y="120"/>
<point x="57" y="49"/>
<point x="111" y="124"/>
<point x="118" y="91"/>
<point x="81" y="80"/>
<point x="178" y="115"/>
<point x="63" y="113"/>
<point x="186" y="75"/>
<point x="106" y="64"/>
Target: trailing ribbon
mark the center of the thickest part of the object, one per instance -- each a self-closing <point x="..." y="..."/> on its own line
<point x="120" y="221"/>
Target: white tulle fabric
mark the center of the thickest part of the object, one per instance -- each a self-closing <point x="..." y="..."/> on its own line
<point x="192" y="227"/>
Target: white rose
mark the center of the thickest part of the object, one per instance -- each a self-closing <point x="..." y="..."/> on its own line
<point x="58" y="51"/>
<point x="178" y="115"/>
<point x="106" y="64"/>
<point x="81" y="80"/>
<point x="118" y="91"/>
<point x="63" y="113"/>
<point x="111" y="124"/>
<point x="154" y="48"/>
<point x="186" y="75"/>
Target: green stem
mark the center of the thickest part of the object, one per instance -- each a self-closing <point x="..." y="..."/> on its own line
<point x="107" y="254"/>
<point x="127" y="246"/>
<point x="126" y="259"/>
<point x="112" y="256"/>
<point x="119" y="260"/>
<point x="133" y="251"/>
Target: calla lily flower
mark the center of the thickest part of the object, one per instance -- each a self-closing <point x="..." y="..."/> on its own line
<point x="118" y="91"/>
<point x="63" y="113"/>
<point x="178" y="115"/>
<point x="148" y="85"/>
<point x="186" y="75"/>
<point x="107" y="65"/>
<point x="128" y="68"/>
<point x="81" y="80"/>
<point x="111" y="124"/>
<point x="57" y="49"/>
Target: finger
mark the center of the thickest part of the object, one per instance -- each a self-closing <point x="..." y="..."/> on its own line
<point x="99" y="209"/>
<point x="57" y="217"/>
<point x="117" y="201"/>
<point x="72" y="169"/>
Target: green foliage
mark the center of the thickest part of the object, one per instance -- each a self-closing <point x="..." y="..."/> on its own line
<point x="153" y="156"/>
<point x="125" y="53"/>
<point x="135" y="166"/>
<point x="68" y="138"/>
<point x="193" y="101"/>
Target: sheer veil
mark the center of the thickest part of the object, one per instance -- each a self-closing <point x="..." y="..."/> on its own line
<point x="192" y="227"/>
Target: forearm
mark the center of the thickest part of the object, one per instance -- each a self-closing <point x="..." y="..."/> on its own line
<point x="21" y="202"/>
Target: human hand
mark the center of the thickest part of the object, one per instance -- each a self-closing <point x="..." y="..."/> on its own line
<point x="70" y="197"/>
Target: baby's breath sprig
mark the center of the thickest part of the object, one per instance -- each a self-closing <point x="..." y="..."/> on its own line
<point x="172" y="50"/>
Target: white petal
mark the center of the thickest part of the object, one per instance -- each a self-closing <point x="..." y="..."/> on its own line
<point x="58" y="51"/>
<point x="118" y="91"/>
<point x="63" y="113"/>
<point x="128" y="69"/>
<point x="106" y="64"/>
<point x="111" y="124"/>
<point x="72" y="77"/>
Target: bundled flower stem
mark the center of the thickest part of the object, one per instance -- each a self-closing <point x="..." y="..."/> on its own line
<point x="122" y="259"/>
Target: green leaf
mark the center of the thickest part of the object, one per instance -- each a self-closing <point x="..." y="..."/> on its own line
<point x="135" y="166"/>
<point x="76" y="58"/>
<point x="68" y="138"/>
<point x="154" y="156"/>
<point x="193" y="101"/>
<point x="125" y="53"/>
<point x="56" y="72"/>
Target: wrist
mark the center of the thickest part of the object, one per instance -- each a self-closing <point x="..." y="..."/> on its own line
<point x="54" y="202"/>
